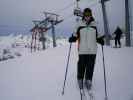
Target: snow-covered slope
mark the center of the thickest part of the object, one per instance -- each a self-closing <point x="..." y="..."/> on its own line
<point x="14" y="46"/>
<point x="40" y="75"/>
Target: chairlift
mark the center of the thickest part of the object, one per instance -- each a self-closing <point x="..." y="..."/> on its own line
<point x="78" y="12"/>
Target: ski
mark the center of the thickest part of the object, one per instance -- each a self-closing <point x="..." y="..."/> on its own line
<point x="82" y="94"/>
<point x="91" y="94"/>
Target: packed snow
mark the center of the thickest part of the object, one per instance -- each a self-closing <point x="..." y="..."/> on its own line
<point x="40" y="75"/>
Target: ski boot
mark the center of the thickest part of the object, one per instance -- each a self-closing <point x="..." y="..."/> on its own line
<point x="80" y="83"/>
<point x="88" y="84"/>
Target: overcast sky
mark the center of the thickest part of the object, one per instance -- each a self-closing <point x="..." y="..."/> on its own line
<point x="16" y="15"/>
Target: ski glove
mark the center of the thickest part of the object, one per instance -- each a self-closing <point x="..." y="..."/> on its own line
<point x="100" y="40"/>
<point x="72" y="39"/>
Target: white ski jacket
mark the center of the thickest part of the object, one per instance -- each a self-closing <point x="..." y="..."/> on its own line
<point x="87" y="39"/>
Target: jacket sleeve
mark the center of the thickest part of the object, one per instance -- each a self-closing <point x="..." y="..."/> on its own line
<point x="99" y="38"/>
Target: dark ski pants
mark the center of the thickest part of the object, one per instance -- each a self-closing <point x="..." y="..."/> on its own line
<point x="86" y="66"/>
<point x="117" y="40"/>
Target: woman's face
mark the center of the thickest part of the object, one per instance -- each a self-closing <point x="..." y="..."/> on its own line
<point x="87" y="16"/>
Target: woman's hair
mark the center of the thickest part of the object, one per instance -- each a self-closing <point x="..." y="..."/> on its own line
<point x="88" y="10"/>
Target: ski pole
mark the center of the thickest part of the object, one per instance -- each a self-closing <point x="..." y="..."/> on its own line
<point x="105" y="84"/>
<point x="66" y="69"/>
